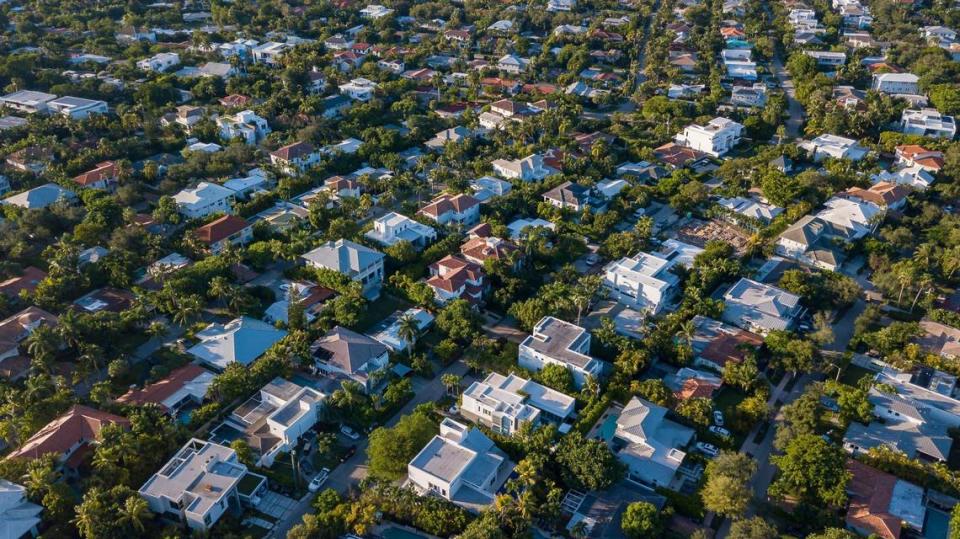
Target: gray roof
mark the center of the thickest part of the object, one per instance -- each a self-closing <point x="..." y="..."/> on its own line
<point x="348" y="350"/>
<point x="344" y="256"/>
<point x="806" y="231"/>
<point x="40" y="197"/>
<point x="558" y="340"/>
<point x="761" y="305"/>
<point x="242" y="340"/>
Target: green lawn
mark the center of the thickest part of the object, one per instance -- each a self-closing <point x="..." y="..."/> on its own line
<point x="853" y="373"/>
<point x="726" y="401"/>
<point x="378" y="310"/>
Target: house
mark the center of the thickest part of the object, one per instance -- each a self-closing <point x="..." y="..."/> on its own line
<point x="759" y="307"/>
<point x="32" y="159"/>
<point x="643" y="282"/>
<point x="457" y="210"/>
<point x="25" y="283"/>
<point x="453" y="278"/>
<point x="274" y="418"/>
<point x="335" y="104"/>
<point x="235" y="101"/>
<point x="505" y="403"/>
<point x="184" y="388"/>
<point x="186" y="117"/>
<point x="939" y="33"/>
<point x="512" y="63"/>
<point x="486" y="188"/>
<point x="244" y="125"/>
<point x="347" y="146"/>
<point x="452" y="135"/>
<point x="910" y="155"/>
<point x="939" y="339"/>
<point x="201" y="483"/>
<point x="13" y="332"/>
<point x="68" y="437"/>
<point x="242" y="340"/>
<point x="529" y="169"/>
<point x="159" y="62"/>
<point x="359" y="263"/>
<point x="108" y="299"/>
<point x="716" y="345"/>
<point x="930" y="389"/>
<point x="256" y="181"/>
<point x="749" y="96"/>
<point x="359" y="89"/>
<point x="751" y="209"/>
<point x="343" y="354"/>
<point x="685" y="91"/>
<point x="341" y="188"/>
<point x="461" y="465"/>
<point x="554" y="6"/>
<point x="227" y="230"/>
<point x="835" y="147"/>
<point x="850" y="98"/>
<point x="928" y="123"/>
<point x="816" y="240"/>
<point x="884" y="195"/>
<point x="77" y="108"/>
<point x="390" y="329"/>
<point x="918" y="431"/>
<point x="520" y="227"/>
<point x="204" y="199"/>
<point x="28" y="101"/>
<point x="295" y="158"/>
<point x="480" y="248"/>
<point x="19" y="517"/>
<point x="104" y="176"/>
<point x="651" y="446"/>
<point x="309" y="296"/>
<point x="573" y="197"/>
<point x="828" y="58"/>
<point x="555" y="342"/>
<point x="41" y="197"/>
<point x="716" y="138"/>
<point x="896" y="83"/>
<point x="393" y="228"/>
<point x="375" y="11"/>
<point x="270" y="53"/>
<point x="881" y="505"/>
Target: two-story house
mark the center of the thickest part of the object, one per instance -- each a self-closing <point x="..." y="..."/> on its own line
<point x="227" y="230"/>
<point x="555" y="342"/>
<point x="343" y="354"/>
<point x="452" y="278"/>
<point x="393" y="228"/>
<point x="456" y="210"/>
<point x="204" y="199"/>
<point x="505" y="403"/>
<point x="359" y="263"/>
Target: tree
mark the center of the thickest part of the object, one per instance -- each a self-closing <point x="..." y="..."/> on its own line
<point x="835" y="533"/>
<point x="116" y="513"/>
<point x="955" y="522"/>
<point x="587" y="464"/>
<point x="727" y="489"/>
<point x="452" y="383"/>
<point x="641" y="521"/>
<point x="459" y="321"/>
<point x="698" y="410"/>
<point x="812" y="471"/>
<point x="390" y="449"/>
<point x="654" y="390"/>
<point x="408" y="329"/>
<point x="557" y="377"/>
<point x="244" y="452"/>
<point x="743" y="374"/>
<point x="754" y="528"/>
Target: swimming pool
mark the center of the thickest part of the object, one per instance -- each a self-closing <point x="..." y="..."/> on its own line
<point x="609" y="427"/>
<point x="935" y="524"/>
<point x="400" y="533"/>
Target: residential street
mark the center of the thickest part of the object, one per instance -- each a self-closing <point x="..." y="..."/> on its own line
<point x="349" y="474"/>
<point x="794" y="108"/>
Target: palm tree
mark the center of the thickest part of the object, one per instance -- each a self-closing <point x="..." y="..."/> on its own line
<point x="451" y="382"/>
<point x="685" y="338"/>
<point x="42" y="344"/>
<point x="186" y="309"/>
<point x="408" y="329"/>
<point x="134" y="513"/>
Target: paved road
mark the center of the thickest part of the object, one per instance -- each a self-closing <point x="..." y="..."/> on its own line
<point x="794" y="108"/>
<point x="347" y="475"/>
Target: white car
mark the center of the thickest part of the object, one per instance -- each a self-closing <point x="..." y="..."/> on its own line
<point x="349" y="433"/>
<point x="319" y="480"/>
<point x="719" y="431"/>
<point x="709" y="450"/>
<point x="718" y="417"/>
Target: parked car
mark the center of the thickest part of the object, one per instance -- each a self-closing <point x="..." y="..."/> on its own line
<point x="709" y="450"/>
<point x="349" y="433"/>
<point x="319" y="480"/>
<point x="351" y="451"/>
<point x="718" y="418"/>
<point x="592" y="259"/>
<point x="719" y="431"/>
<point x="453" y="410"/>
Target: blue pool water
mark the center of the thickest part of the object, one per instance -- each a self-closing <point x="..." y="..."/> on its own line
<point x="609" y="427"/>
<point x="936" y="524"/>
<point x="398" y="533"/>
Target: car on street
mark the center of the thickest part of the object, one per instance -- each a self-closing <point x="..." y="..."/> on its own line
<point x="349" y="433"/>
<point x="351" y="451"/>
<point x="718" y="418"/>
<point x="591" y="259"/>
<point x="719" y="431"/>
<point x="319" y="480"/>
<point x="709" y="450"/>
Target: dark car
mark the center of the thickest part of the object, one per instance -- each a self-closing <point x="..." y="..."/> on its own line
<point x="351" y="451"/>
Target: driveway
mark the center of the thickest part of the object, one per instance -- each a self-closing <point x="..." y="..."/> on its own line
<point x="348" y="475"/>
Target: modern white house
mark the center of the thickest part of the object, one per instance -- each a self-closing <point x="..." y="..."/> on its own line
<point x="77" y="108"/>
<point x="716" y="138"/>
<point x="28" y="101"/>
<point x="343" y="354"/>
<point x="245" y="125"/>
<point x="393" y="228"/>
<point x="896" y="83"/>
<point x="462" y="465"/>
<point x="242" y="340"/>
<point x="388" y="333"/>
<point x="201" y="483"/>
<point x="375" y="11"/>
<point x="761" y="308"/>
<point x="204" y="199"/>
<point x="529" y="169"/>
<point x="555" y="342"/>
<point x="359" y="263"/>
<point x="486" y="188"/>
<point x="828" y="58"/>
<point x="274" y="418"/>
<point x="159" y="62"/>
<point x="643" y="282"/>
<point x="359" y="89"/>
<point x="836" y="147"/>
<point x="652" y="447"/>
<point x="928" y="123"/>
<point x="505" y="403"/>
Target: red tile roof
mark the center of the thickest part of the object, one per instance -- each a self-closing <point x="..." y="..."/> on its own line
<point x="103" y="171"/>
<point x="870" y="493"/>
<point x="221" y="229"/>
<point x="81" y="424"/>
<point x="28" y="281"/>
<point x="727" y="348"/>
<point x="293" y="151"/>
<point x="162" y="389"/>
<point x="446" y="203"/>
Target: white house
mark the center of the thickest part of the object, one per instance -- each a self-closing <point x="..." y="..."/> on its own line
<point x="359" y="89"/>
<point x="295" y="158"/>
<point x="19" y="517"/>
<point x="828" y="58"/>
<point x="896" y="83"/>
<point x="359" y="263"/>
<point x="486" y="188"/>
<point x="462" y="465"/>
<point x="653" y="447"/>
<point x="505" y="403"/>
<point x="393" y="228"/>
<point x="201" y="483"/>
<point x="77" y="108"/>
<point x="529" y="169"/>
<point x="555" y="342"/>
<point x="242" y="340"/>
<point x="159" y="62"/>
<point x="389" y="334"/>
<point x="512" y="63"/>
<point x="343" y="354"/>
<point x="835" y="147"/>
<point x="246" y="125"/>
<point x="204" y="199"/>
<point x="375" y="11"/>
<point x="643" y="282"/>
<point x="458" y="210"/>
<point x="716" y="138"/>
<point x="928" y="123"/>
<point x="28" y="101"/>
<point x="759" y="307"/>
